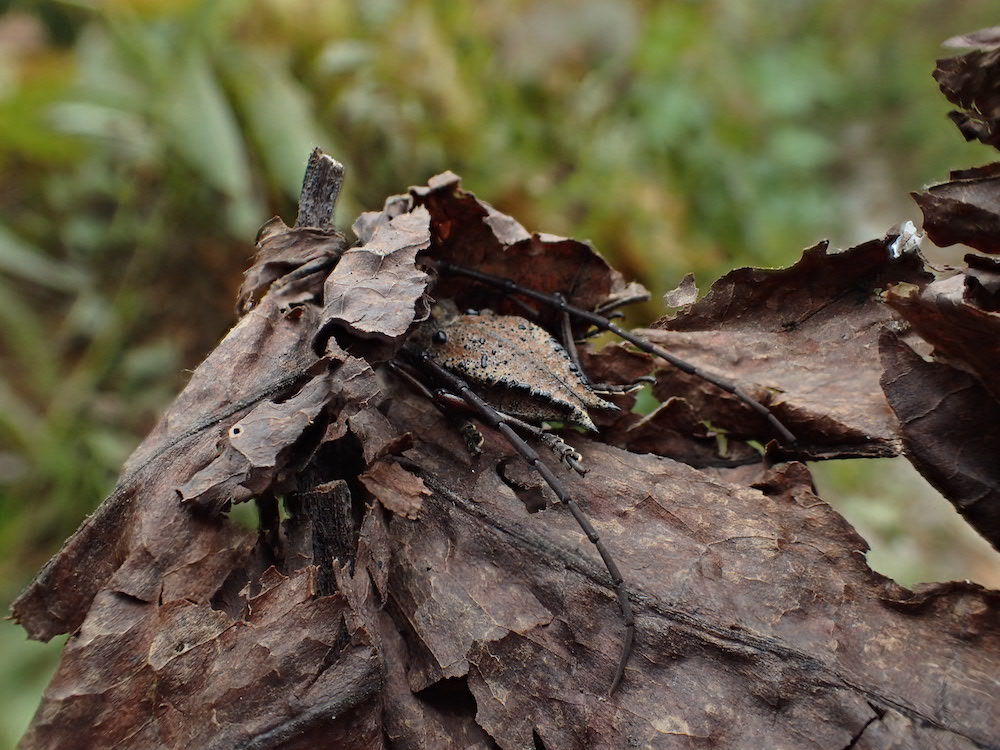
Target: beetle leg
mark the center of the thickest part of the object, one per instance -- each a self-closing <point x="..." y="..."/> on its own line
<point x="605" y="389"/>
<point x="446" y="403"/>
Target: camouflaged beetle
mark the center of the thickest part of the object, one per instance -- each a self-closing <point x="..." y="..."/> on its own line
<point x="507" y="372"/>
<point x="514" y="376"/>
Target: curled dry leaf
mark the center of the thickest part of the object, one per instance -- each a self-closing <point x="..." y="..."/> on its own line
<point x="949" y="409"/>
<point x="281" y="250"/>
<point x="982" y="282"/>
<point x="376" y="290"/>
<point x="969" y="81"/>
<point x="961" y="333"/>
<point x="257" y="449"/>
<point x="470" y="232"/>
<point x="685" y="294"/>
<point x="964" y="210"/>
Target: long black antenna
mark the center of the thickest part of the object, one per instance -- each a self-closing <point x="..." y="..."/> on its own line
<point x="604" y="324"/>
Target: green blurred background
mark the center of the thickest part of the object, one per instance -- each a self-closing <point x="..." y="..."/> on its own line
<point x="142" y="142"/>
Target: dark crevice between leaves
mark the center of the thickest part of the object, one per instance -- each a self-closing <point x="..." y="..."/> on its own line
<point x="228" y="598"/>
<point x="326" y="515"/>
<point x="879" y="714"/>
<point x="332" y="329"/>
<point x="450" y="696"/>
<point x="532" y="495"/>
<point x="857" y="737"/>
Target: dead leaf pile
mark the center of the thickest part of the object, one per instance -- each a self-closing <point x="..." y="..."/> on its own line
<point x="401" y="592"/>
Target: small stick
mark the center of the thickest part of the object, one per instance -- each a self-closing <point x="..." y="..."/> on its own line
<point x="321" y="186"/>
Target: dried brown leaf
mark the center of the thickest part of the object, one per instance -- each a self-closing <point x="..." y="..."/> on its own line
<point x="685" y="294"/>
<point x="376" y="290"/>
<point x="951" y="428"/>
<point x="142" y="674"/>
<point x="490" y="620"/>
<point x="281" y="250"/>
<point x="397" y="489"/>
<point x="130" y="544"/>
<point x="965" y="209"/>
<point x="961" y="334"/>
<point x="969" y="81"/>
<point x="757" y="615"/>
<point x="470" y="232"/>
<point x="257" y="448"/>
<point x="982" y="282"/>
<point x="801" y="339"/>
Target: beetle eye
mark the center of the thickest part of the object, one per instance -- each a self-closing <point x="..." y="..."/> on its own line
<point x="439" y="337"/>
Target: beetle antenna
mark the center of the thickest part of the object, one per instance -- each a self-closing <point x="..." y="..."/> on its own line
<point x="604" y="324"/>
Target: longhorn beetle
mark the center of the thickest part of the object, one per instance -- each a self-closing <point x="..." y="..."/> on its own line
<point x="511" y="373"/>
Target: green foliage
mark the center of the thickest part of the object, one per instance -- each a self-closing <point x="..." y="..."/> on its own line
<point x="143" y="141"/>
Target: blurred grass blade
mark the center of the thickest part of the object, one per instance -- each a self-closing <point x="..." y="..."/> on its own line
<point x="278" y="114"/>
<point x="203" y="129"/>
<point x="27" y="263"/>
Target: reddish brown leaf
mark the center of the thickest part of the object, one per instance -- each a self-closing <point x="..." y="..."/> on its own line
<point x="470" y="232"/>
<point x="397" y="489"/>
